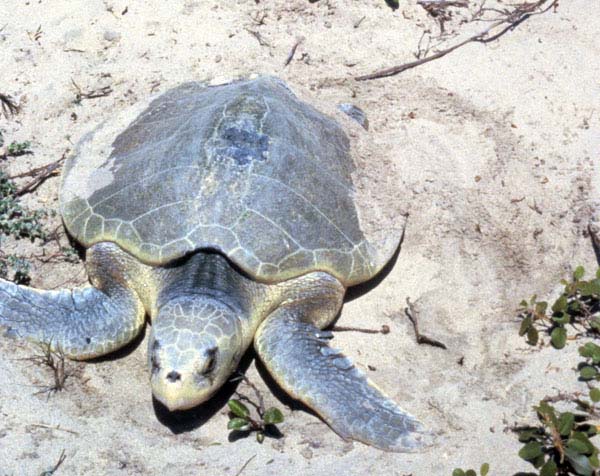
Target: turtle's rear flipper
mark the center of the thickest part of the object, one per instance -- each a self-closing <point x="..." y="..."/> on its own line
<point x="299" y="359"/>
<point x="83" y="323"/>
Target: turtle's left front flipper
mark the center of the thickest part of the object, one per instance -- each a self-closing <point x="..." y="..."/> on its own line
<point x="84" y="323"/>
<point x="298" y="357"/>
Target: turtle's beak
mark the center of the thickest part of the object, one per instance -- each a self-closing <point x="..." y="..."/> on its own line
<point x="177" y="383"/>
<point x="176" y="395"/>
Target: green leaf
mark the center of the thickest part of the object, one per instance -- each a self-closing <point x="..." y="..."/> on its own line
<point x="560" y="304"/>
<point x="589" y="350"/>
<point x="546" y="410"/>
<point x="580" y="463"/>
<point x="565" y="423"/>
<point x="598" y="273"/>
<point x="578" y="273"/>
<point x="458" y="472"/>
<point x="528" y="435"/>
<point x="586" y="447"/>
<point x="240" y="424"/>
<point x="470" y="472"/>
<point x="525" y="325"/>
<point x="595" y="394"/>
<point x="530" y="451"/>
<point x="485" y="469"/>
<point x="559" y="337"/>
<point x="532" y="336"/>
<point x="524" y="304"/>
<point x="578" y="446"/>
<point x="562" y="318"/>
<point x="594" y="459"/>
<point x="588" y="372"/>
<point x="541" y="307"/>
<point x="273" y="416"/>
<point x="549" y="469"/>
<point x="260" y="437"/>
<point x="238" y="408"/>
<point x="532" y="300"/>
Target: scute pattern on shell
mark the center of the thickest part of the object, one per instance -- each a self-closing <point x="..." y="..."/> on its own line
<point x="245" y="168"/>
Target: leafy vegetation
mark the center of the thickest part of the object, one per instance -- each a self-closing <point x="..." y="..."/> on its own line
<point x="561" y="444"/>
<point x="240" y="420"/>
<point x="19" y="148"/>
<point x="16" y="221"/>
<point x="578" y="308"/>
<point x="485" y="469"/>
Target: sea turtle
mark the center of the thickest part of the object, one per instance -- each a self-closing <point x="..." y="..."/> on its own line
<point x="227" y="214"/>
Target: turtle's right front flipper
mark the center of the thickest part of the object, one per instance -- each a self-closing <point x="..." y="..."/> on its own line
<point x="299" y="359"/>
<point x="84" y="323"/>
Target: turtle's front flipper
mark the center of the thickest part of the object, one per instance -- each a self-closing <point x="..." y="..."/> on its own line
<point x="84" y="323"/>
<point x="298" y="357"/>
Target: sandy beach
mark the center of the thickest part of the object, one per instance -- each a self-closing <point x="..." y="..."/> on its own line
<point x="493" y="153"/>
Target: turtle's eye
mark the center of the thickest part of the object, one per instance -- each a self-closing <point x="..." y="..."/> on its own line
<point x="211" y="360"/>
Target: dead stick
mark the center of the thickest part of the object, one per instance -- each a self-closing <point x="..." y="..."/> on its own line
<point x="512" y="20"/>
<point x="9" y="107"/>
<point x="384" y="329"/>
<point x="245" y="464"/>
<point x="293" y="51"/>
<point x="421" y="339"/>
<point x="45" y="172"/>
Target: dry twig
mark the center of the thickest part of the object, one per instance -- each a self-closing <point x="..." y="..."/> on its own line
<point x="61" y="460"/>
<point x="421" y="339"/>
<point x="9" y="106"/>
<point x="55" y="360"/>
<point x="80" y="94"/>
<point x="293" y="51"/>
<point x="244" y="466"/>
<point x="260" y="406"/>
<point x="508" y="21"/>
<point x="384" y="329"/>
<point x="258" y="36"/>
<point x="39" y="174"/>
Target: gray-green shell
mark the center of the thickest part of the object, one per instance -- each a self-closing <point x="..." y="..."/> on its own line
<point x="245" y="168"/>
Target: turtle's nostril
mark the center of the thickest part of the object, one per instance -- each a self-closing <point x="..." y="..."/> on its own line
<point x="173" y="376"/>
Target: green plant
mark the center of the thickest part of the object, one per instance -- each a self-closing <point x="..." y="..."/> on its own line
<point x="19" y="148"/>
<point x="240" y="419"/>
<point x="578" y="306"/>
<point x="15" y="268"/>
<point x="561" y="444"/>
<point x="15" y="220"/>
<point x="19" y="223"/>
<point x="483" y="471"/>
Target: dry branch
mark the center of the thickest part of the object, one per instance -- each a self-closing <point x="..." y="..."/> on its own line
<point x="39" y="174"/>
<point x="410" y="312"/>
<point x="293" y="51"/>
<point x="9" y="106"/>
<point x="509" y="20"/>
<point x="80" y="94"/>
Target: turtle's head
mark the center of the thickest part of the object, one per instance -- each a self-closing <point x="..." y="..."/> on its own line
<point x="195" y="344"/>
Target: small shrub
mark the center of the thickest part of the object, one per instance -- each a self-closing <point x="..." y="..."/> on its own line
<point x="578" y="307"/>
<point x="485" y="469"/>
<point x="561" y="444"/>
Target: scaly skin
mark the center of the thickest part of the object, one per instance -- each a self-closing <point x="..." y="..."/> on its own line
<point x="205" y="314"/>
<point x="84" y="323"/>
